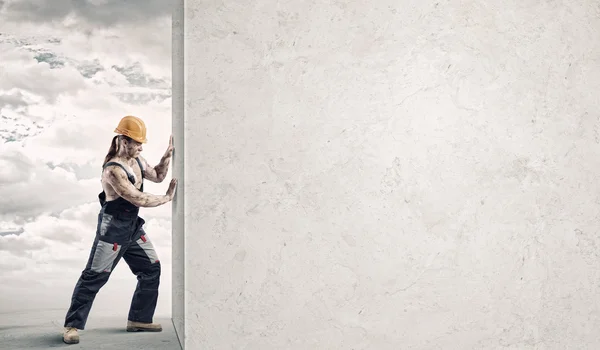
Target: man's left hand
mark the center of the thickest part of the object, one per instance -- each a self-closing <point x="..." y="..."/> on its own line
<point x="170" y="149"/>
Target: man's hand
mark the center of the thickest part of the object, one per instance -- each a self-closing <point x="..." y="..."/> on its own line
<point x="159" y="172"/>
<point x="170" y="148"/>
<point x="171" y="189"/>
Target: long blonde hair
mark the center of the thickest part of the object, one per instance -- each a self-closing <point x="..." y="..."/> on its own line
<point x="115" y="146"/>
<point x="113" y="150"/>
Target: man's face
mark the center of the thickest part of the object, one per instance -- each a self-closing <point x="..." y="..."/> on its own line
<point x="134" y="148"/>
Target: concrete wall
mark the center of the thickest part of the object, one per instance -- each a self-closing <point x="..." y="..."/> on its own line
<point x="178" y="216"/>
<point x="388" y="175"/>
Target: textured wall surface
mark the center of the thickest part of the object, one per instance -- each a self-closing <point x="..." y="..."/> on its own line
<point x="390" y="175"/>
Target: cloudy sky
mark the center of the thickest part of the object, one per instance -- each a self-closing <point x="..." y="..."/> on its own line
<point x="69" y="71"/>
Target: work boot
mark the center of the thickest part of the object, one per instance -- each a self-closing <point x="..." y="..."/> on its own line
<point x="70" y="336"/>
<point x="139" y="326"/>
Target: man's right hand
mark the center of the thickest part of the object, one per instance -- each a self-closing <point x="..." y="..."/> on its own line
<point x="171" y="190"/>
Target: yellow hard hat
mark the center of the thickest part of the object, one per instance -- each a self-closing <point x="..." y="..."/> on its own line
<point x="132" y="127"/>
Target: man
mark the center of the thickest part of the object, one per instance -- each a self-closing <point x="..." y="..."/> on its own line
<point x="120" y="232"/>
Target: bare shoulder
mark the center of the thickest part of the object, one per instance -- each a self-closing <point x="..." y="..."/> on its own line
<point x="114" y="174"/>
<point x="144" y="162"/>
<point x="149" y="171"/>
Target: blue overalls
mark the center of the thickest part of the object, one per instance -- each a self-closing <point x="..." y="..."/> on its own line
<point x="119" y="234"/>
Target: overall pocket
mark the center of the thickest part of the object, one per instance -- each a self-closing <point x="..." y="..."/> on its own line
<point x="113" y="229"/>
<point x="148" y="248"/>
<point x="104" y="221"/>
<point x="104" y="257"/>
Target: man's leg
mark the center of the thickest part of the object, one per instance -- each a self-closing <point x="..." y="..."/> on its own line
<point x="103" y="258"/>
<point x="143" y="262"/>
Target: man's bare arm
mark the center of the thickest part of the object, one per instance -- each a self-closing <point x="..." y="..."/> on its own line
<point x="149" y="172"/>
<point x="159" y="172"/>
<point x="162" y="167"/>
<point x="120" y="183"/>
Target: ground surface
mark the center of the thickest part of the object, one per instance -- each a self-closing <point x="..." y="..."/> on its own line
<point x="43" y="330"/>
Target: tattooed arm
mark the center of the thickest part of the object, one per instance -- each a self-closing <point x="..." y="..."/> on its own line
<point x="117" y="178"/>
<point x="159" y="172"/>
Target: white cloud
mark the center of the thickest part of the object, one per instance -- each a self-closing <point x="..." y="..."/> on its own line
<point x="22" y="72"/>
<point x="14" y="167"/>
<point x="31" y="187"/>
<point x="86" y="13"/>
<point x="13" y="98"/>
<point x="68" y="75"/>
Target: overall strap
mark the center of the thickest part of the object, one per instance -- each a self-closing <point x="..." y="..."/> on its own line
<point x="129" y="176"/>
<point x="141" y="167"/>
<point x="142" y="172"/>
